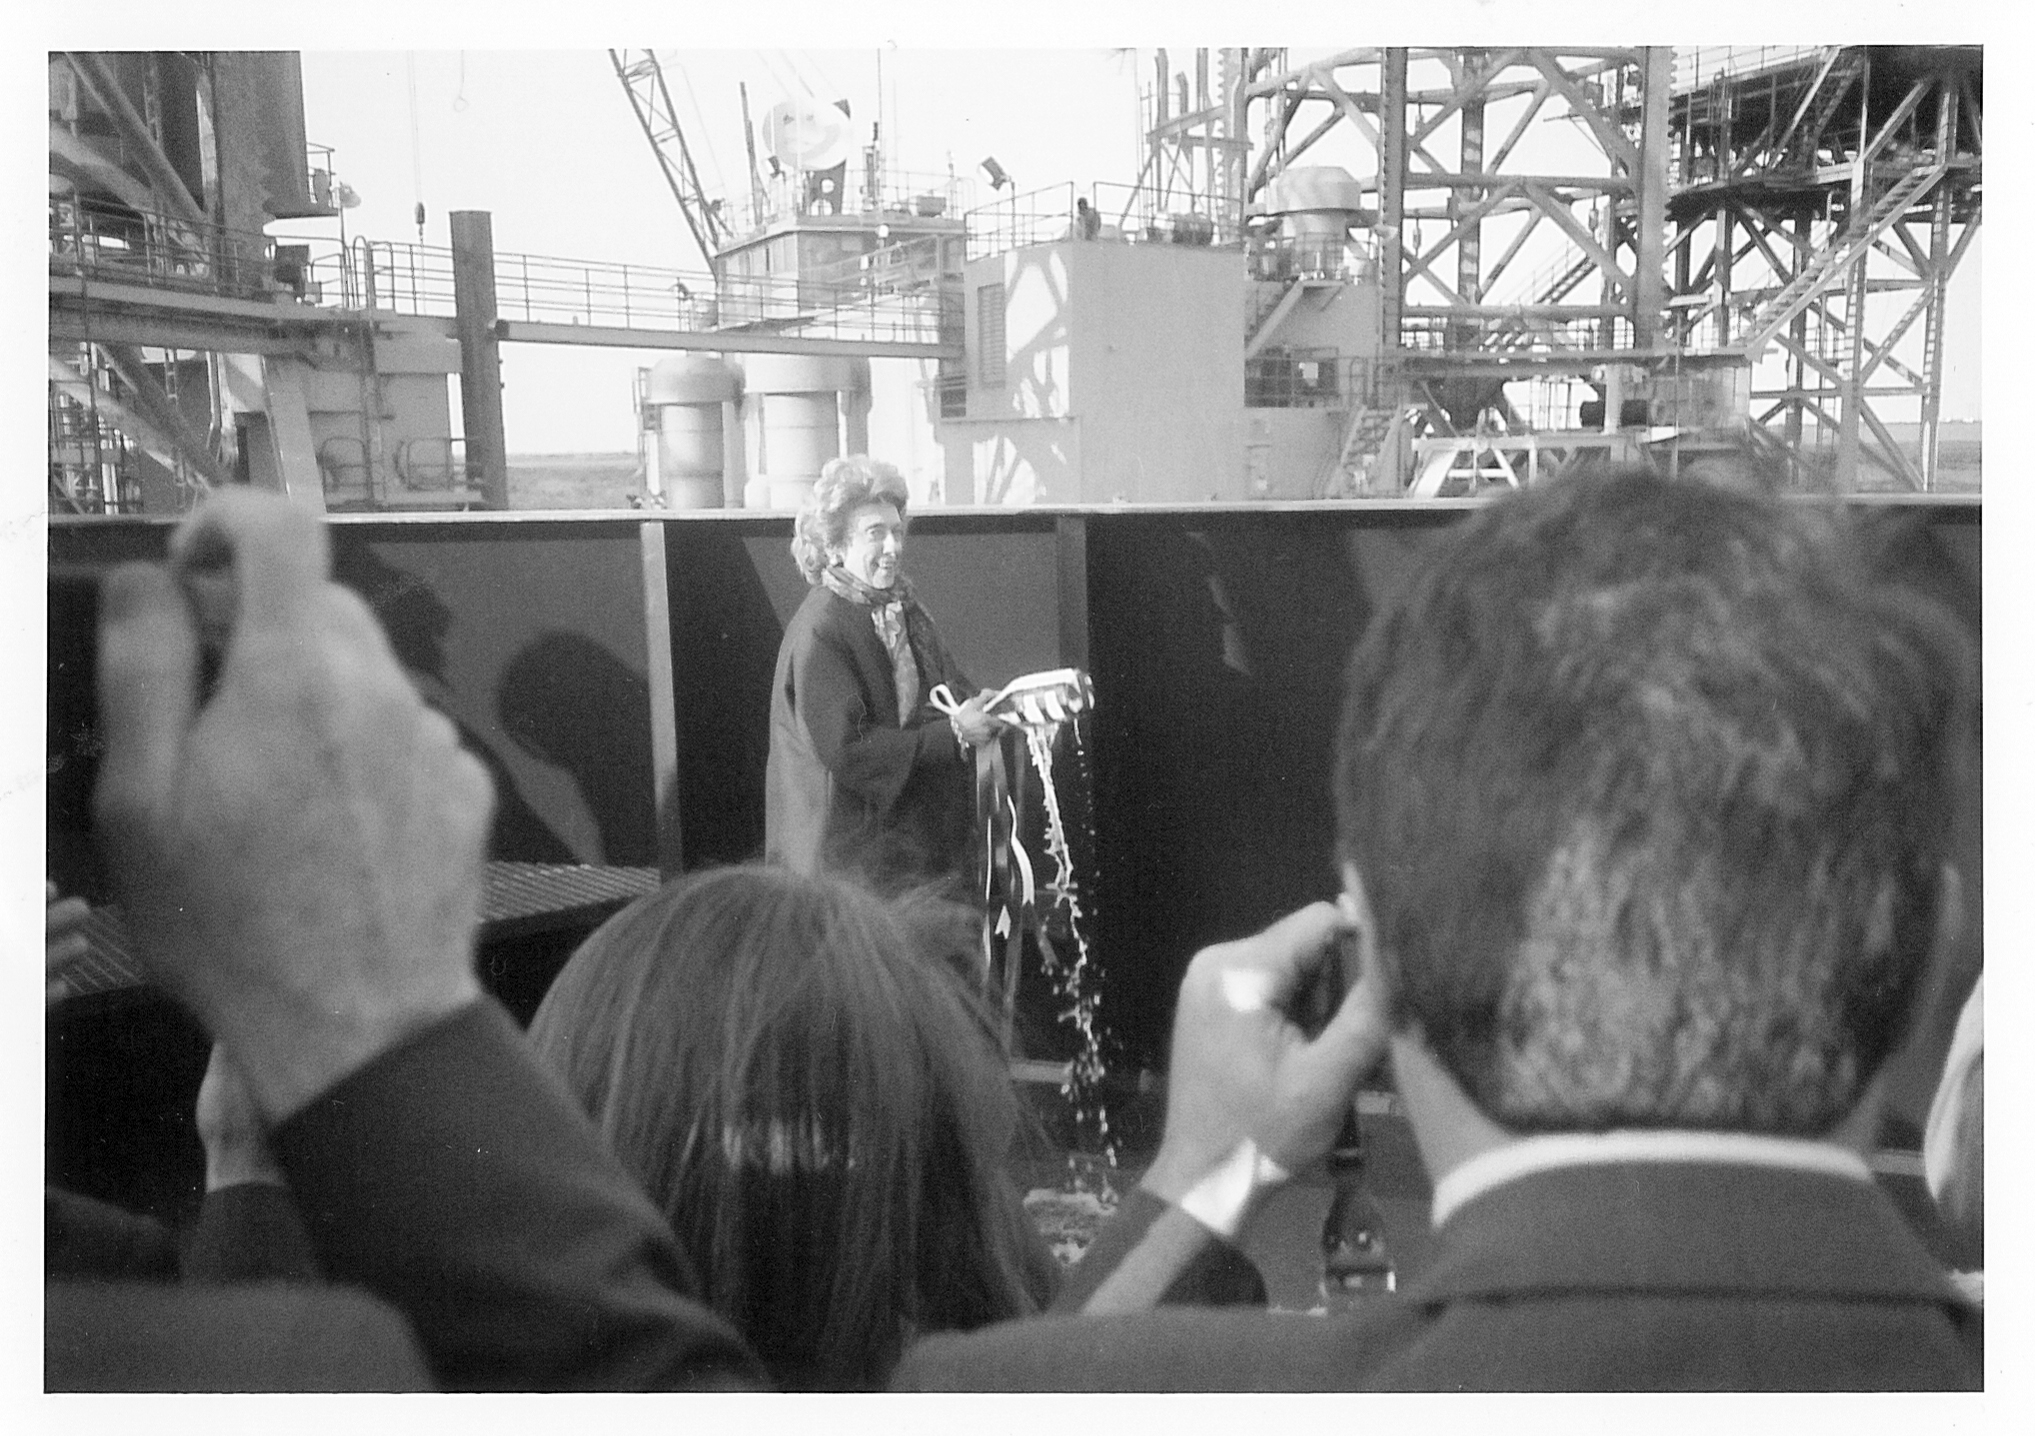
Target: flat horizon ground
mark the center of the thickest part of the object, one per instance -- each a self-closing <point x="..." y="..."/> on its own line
<point x="614" y="480"/>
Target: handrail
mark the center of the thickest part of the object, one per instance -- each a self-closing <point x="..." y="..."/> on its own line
<point x="1698" y="65"/>
<point x="416" y="279"/>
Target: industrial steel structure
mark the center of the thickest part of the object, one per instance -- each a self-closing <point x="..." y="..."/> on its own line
<point x="1822" y="199"/>
<point x="1795" y="192"/>
<point x="1382" y="272"/>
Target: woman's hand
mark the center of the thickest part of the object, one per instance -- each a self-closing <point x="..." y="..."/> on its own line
<point x="972" y="723"/>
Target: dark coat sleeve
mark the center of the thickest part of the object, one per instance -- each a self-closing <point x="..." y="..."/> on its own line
<point x="249" y="1232"/>
<point x="835" y="689"/>
<point x="455" y="1180"/>
<point x="274" y="1336"/>
<point x="1220" y="1276"/>
<point x="87" y="1238"/>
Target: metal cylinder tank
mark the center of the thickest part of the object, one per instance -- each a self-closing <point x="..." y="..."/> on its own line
<point x="687" y="391"/>
<point x="796" y="399"/>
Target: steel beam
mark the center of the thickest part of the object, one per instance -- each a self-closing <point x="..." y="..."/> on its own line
<point x="1392" y="199"/>
<point x="1938" y="275"/>
<point x="717" y="341"/>
<point x="1650" y="163"/>
<point x="1466" y="207"/>
<point x="105" y="89"/>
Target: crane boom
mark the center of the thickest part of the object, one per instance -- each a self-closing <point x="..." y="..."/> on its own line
<point x="643" y="80"/>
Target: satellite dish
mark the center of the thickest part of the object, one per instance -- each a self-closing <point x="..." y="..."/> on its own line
<point x="807" y="136"/>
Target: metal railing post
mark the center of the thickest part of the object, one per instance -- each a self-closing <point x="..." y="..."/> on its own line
<point x="480" y="379"/>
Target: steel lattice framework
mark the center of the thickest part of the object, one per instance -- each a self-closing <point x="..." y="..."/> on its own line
<point x="1823" y="199"/>
<point x="1468" y="205"/>
<point x="642" y="78"/>
<point x="1627" y="212"/>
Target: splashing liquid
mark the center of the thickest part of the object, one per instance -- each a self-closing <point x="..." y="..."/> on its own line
<point x="1073" y="974"/>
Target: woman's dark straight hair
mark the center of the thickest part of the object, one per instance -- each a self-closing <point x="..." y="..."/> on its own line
<point x="794" y="1071"/>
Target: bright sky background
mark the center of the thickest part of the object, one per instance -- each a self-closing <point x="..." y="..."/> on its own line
<point x="547" y="142"/>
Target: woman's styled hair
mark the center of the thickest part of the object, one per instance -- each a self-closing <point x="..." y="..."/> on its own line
<point x="842" y="486"/>
<point x="798" y="1077"/>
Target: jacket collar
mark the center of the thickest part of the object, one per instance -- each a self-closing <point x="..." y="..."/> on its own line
<point x="1577" y="1149"/>
<point x="1682" y="1228"/>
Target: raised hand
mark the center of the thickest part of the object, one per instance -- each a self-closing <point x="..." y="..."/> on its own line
<point x="298" y="857"/>
<point x="972" y="723"/>
<point x="1242" y="1067"/>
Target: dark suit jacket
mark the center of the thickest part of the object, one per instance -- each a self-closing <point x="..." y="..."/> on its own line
<point x="457" y="1181"/>
<point x="454" y="1179"/>
<point x="246" y="1232"/>
<point x="1649" y="1276"/>
<point x="251" y="1312"/>
<point x="847" y="784"/>
<point x="255" y="1336"/>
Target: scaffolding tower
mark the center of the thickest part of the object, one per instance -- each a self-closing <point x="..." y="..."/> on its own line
<point x="1678" y="241"/>
<point x="1823" y="197"/>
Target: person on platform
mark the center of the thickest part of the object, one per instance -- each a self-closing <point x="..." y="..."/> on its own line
<point x="798" y="1075"/>
<point x="866" y="774"/>
<point x="1644" y="794"/>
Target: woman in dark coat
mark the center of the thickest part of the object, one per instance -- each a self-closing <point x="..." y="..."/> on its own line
<point x="865" y="774"/>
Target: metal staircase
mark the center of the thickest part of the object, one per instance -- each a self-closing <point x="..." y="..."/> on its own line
<point x="1370" y="425"/>
<point x="1852" y="247"/>
<point x="1843" y="66"/>
<point x="1289" y="298"/>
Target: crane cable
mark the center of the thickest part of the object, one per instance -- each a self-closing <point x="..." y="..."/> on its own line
<point x="821" y="71"/>
<point x="700" y="125"/>
<point x="777" y="77"/>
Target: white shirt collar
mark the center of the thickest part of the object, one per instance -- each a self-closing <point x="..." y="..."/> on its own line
<point x="1576" y="1149"/>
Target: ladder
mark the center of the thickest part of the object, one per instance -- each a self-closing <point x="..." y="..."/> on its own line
<point x="1851" y="248"/>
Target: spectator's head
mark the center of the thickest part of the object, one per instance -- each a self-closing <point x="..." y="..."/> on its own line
<point x="797" y="1076"/>
<point x="1647" y="783"/>
<point x="845" y="489"/>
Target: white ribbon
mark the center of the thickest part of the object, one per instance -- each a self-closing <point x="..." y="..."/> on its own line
<point x="942" y="698"/>
<point x="1037" y="700"/>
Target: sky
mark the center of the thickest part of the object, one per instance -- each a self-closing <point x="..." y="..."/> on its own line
<point x="547" y="142"/>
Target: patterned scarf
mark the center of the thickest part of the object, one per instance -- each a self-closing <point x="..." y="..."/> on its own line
<point x="888" y="611"/>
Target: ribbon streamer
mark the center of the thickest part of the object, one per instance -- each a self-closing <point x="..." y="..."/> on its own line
<point x="1036" y="705"/>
